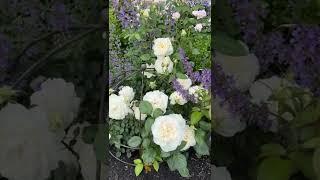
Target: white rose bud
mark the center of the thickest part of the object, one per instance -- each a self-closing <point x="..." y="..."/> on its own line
<point x="198" y="27"/>
<point x="163" y="65"/>
<point x="127" y="93"/>
<point x="162" y="47"/>
<point x="157" y="99"/>
<point x="176" y="15"/>
<point x="118" y="109"/>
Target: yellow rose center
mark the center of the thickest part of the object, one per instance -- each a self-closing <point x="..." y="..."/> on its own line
<point x="168" y="132"/>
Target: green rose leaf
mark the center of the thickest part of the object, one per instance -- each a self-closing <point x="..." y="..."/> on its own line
<point x="184" y="172"/>
<point x="272" y="150"/>
<point x="134" y="141"/>
<point x="202" y="148"/>
<point x="156" y="165"/>
<point x="181" y="76"/>
<point x="145" y="107"/>
<point x="196" y="117"/>
<point x="157" y="112"/>
<point x="138" y="169"/>
<point x="205" y="125"/>
<point x="177" y="161"/>
<point x="182" y="145"/>
<point x="229" y="46"/>
<point x="146" y="143"/>
<point x="149" y="155"/>
<point x="137" y="161"/>
<point x="148" y="124"/>
<point x="165" y="154"/>
<point x="275" y="168"/>
<point x="316" y="162"/>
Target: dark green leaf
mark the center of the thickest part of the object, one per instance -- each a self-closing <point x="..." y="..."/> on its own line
<point x="157" y="112"/>
<point x="148" y="124"/>
<point x="145" y="107"/>
<point x="134" y="141"/>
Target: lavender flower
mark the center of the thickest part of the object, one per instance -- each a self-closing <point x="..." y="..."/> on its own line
<point x="185" y="93"/>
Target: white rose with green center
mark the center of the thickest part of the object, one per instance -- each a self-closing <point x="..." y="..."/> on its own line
<point x="162" y="47"/>
<point x="177" y="98"/>
<point x="189" y="137"/>
<point x="163" y="65"/>
<point x="168" y="131"/>
<point x="157" y="99"/>
<point x="118" y="108"/>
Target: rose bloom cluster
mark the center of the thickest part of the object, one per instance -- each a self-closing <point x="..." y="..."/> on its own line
<point x="168" y="130"/>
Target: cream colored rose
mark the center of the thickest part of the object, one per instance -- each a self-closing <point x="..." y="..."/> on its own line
<point x="157" y="99"/>
<point x="168" y="131"/>
<point x="127" y="93"/>
<point x="198" y="27"/>
<point x="137" y="113"/>
<point x="199" y="14"/>
<point x="162" y="47"/>
<point x="185" y="83"/>
<point x="196" y="91"/>
<point x="175" y="15"/>
<point x="118" y="108"/>
<point x="163" y="65"/>
<point x="189" y="137"/>
<point x="177" y="98"/>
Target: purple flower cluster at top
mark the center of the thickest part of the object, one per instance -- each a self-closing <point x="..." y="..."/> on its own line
<point x="127" y="14"/>
<point x="248" y="14"/>
<point x="203" y="77"/>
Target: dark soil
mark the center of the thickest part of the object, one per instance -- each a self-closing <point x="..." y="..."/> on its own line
<point x="199" y="169"/>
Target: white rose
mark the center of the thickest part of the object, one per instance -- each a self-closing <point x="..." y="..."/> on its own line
<point x="221" y="173"/>
<point x="228" y="124"/>
<point x="157" y="99"/>
<point x="177" y="98"/>
<point x="59" y="101"/>
<point x="118" y="108"/>
<point x="189" y="137"/>
<point x="168" y="131"/>
<point x="175" y="15"/>
<point x="244" y="69"/>
<point x="127" y="93"/>
<point x="162" y="47"/>
<point x="163" y="65"/>
<point x="196" y="91"/>
<point x="198" y="27"/>
<point x="185" y="83"/>
<point x="136" y="111"/>
<point x="199" y="14"/>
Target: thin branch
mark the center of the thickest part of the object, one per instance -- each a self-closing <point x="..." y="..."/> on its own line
<point x="45" y="59"/>
<point x="120" y="159"/>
